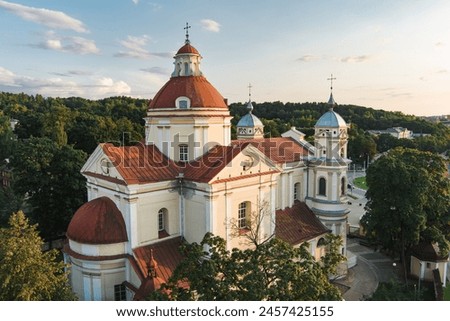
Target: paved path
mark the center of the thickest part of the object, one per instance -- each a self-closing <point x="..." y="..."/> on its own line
<point x="371" y="269"/>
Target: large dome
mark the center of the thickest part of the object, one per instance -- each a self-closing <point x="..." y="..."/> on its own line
<point x="98" y="222"/>
<point x="331" y="119"/>
<point x="197" y="88"/>
<point x="187" y="81"/>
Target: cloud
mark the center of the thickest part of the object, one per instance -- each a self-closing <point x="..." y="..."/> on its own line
<point x="106" y="86"/>
<point x="357" y="59"/>
<point x="156" y="70"/>
<point x="439" y="44"/>
<point x="307" y="58"/>
<point x="93" y="88"/>
<point x="135" y="1"/>
<point x="76" y="45"/>
<point x="134" y="48"/>
<point x="210" y="25"/>
<point x="71" y="73"/>
<point x="46" y="17"/>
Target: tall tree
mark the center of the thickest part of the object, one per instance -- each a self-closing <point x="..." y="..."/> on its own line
<point x="272" y="271"/>
<point x="49" y="175"/>
<point x="408" y="201"/>
<point x="27" y="273"/>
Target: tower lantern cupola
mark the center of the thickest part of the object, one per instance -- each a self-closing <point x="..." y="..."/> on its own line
<point x="249" y="126"/>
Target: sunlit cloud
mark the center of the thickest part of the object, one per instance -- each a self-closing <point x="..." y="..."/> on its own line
<point x="134" y="48"/>
<point x="94" y="88"/>
<point x="46" y="17"/>
<point x="76" y="45"/>
<point x="356" y="59"/>
<point x="210" y="25"/>
<point x="135" y="1"/>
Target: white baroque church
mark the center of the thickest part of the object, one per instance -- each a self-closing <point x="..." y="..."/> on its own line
<point x="189" y="178"/>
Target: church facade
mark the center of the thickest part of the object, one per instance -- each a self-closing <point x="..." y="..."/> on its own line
<point x="189" y="177"/>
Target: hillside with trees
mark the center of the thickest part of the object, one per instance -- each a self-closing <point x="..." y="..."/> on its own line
<point x="54" y="136"/>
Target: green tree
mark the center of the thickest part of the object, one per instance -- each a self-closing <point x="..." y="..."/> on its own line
<point x="49" y="176"/>
<point x="27" y="273"/>
<point x="274" y="270"/>
<point x="361" y="147"/>
<point x="408" y="201"/>
<point x="6" y="138"/>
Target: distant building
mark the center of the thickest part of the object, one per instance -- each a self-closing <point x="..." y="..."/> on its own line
<point x="397" y="132"/>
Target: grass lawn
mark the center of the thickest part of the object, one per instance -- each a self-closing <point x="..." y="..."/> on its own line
<point x="360" y="182"/>
<point x="447" y="293"/>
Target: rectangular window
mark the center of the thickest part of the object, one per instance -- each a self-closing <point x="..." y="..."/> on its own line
<point x="183" y="104"/>
<point x="120" y="292"/>
<point x="184" y="153"/>
<point x="242" y="215"/>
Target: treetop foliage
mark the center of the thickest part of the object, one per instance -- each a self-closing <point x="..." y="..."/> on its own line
<point x="408" y="200"/>
<point x="27" y="273"/>
<point x="274" y="270"/>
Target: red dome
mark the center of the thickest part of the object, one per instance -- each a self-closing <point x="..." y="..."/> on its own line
<point x="98" y="222"/>
<point x="196" y="88"/>
<point x="188" y="49"/>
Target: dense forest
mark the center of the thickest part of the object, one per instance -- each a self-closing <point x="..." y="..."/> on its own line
<point x="54" y="136"/>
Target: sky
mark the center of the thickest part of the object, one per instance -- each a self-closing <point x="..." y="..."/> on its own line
<point x="392" y="55"/>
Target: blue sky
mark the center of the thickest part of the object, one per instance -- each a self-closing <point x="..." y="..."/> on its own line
<point x="393" y="55"/>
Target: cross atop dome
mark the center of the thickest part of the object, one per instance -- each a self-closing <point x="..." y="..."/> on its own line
<point x="187" y="32"/>
<point x="331" y="101"/>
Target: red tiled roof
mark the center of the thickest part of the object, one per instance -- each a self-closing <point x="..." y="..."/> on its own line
<point x="298" y="224"/>
<point x="141" y="163"/>
<point x="98" y="222"/>
<point x="196" y="88"/>
<point x="188" y="49"/>
<point x="278" y="149"/>
<point x="166" y="253"/>
<point x="210" y="164"/>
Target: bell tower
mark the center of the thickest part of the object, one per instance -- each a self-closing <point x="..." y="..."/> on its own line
<point x="327" y="190"/>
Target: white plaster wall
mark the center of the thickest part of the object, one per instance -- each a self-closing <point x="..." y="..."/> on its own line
<point x="98" y="249"/>
<point x="95" y="280"/>
<point x="195" y="220"/>
<point x="148" y="207"/>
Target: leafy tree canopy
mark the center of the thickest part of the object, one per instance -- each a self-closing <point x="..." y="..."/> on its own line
<point x="408" y="200"/>
<point x="274" y="270"/>
<point x="49" y="176"/>
<point x="27" y="273"/>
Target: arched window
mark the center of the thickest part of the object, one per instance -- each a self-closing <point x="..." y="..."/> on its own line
<point x="343" y="186"/>
<point x="296" y="191"/>
<point x="162" y="218"/>
<point x="186" y="69"/>
<point x="183" y="102"/>
<point x="321" y="242"/>
<point x="184" y="153"/>
<point x="322" y="186"/>
<point x="243" y="215"/>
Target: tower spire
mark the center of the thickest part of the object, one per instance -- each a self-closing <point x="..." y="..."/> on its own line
<point x="331" y="101"/>
<point x="187" y="32"/>
<point x="250" y="105"/>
